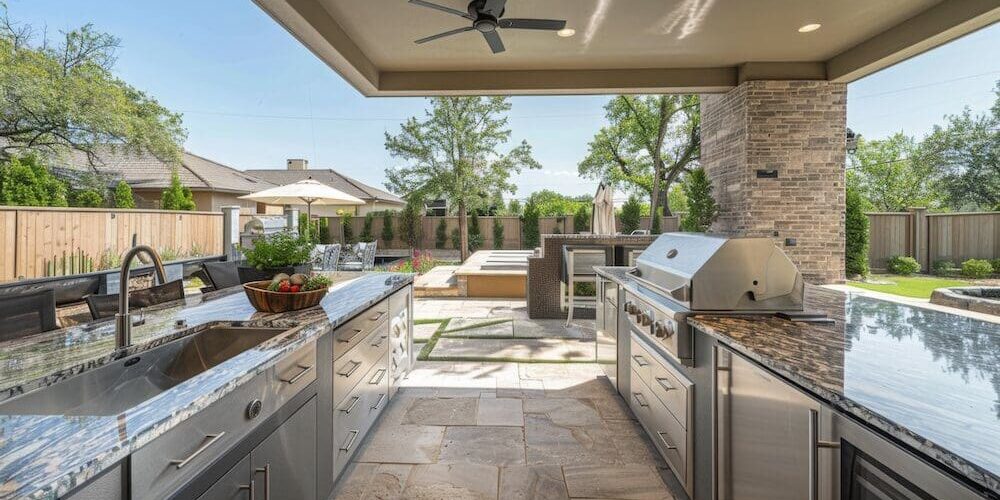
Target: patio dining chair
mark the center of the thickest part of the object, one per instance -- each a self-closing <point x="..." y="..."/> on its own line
<point x="330" y="258"/>
<point x="105" y="306"/>
<point x="27" y="314"/>
<point x="360" y="257"/>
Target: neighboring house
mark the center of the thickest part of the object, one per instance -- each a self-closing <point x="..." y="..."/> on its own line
<point x="213" y="184"/>
<point x="375" y="199"/>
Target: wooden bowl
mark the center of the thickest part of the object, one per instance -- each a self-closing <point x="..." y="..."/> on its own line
<point x="265" y="300"/>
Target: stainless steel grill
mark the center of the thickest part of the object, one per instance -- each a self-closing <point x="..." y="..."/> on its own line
<point x="684" y="273"/>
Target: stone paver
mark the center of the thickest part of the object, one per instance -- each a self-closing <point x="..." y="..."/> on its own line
<point x="554" y="328"/>
<point x="639" y="482"/>
<point x="424" y="331"/>
<point x="442" y="411"/>
<point x="500" y="411"/>
<point x="423" y="444"/>
<point x="462" y="327"/>
<point x="514" y="349"/>
<point x="539" y="482"/>
<point x="483" y="445"/>
<point x="452" y="482"/>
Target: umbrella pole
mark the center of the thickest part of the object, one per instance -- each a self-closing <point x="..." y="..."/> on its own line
<point x="309" y="219"/>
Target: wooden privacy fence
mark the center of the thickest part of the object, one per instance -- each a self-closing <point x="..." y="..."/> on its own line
<point x="932" y="237"/>
<point x="512" y="230"/>
<point x="39" y="242"/>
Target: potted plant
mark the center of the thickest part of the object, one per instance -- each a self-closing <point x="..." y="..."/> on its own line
<point x="283" y="252"/>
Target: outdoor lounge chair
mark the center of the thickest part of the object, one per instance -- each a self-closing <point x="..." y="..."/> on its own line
<point x="329" y="259"/>
<point x="361" y="257"/>
<point x="27" y="314"/>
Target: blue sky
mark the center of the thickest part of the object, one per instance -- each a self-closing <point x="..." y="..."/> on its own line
<point x="252" y="96"/>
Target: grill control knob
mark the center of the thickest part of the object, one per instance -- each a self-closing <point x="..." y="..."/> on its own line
<point x="668" y="330"/>
<point x="645" y="318"/>
<point x="659" y="329"/>
<point x="630" y="307"/>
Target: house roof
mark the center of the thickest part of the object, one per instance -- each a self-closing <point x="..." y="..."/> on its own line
<point x="331" y="178"/>
<point x="146" y="171"/>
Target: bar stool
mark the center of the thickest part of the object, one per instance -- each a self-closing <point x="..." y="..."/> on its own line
<point x="578" y="267"/>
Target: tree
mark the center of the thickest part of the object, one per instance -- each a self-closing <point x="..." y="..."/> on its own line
<point x="88" y="198"/>
<point x="529" y="226"/>
<point x="409" y="222"/>
<point x="649" y="142"/>
<point x="62" y="95"/>
<point x="25" y="181"/>
<point x="966" y="155"/>
<point x="177" y="196"/>
<point x="453" y="154"/>
<point x="347" y="227"/>
<point x="123" y="195"/>
<point x="656" y="221"/>
<point x="441" y="234"/>
<point x="581" y="219"/>
<point x="551" y="203"/>
<point x="366" y="229"/>
<point x="497" y="234"/>
<point x="387" y="232"/>
<point x="887" y="173"/>
<point x="631" y="215"/>
<point x="677" y="199"/>
<point x="514" y="208"/>
<point x="856" y="228"/>
<point x="702" y="209"/>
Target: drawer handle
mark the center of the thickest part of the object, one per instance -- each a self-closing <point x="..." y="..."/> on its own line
<point x="379" y="340"/>
<point x="639" y="398"/>
<point x="305" y="369"/>
<point x="664" y="441"/>
<point x="641" y="361"/>
<point x="212" y="439"/>
<point x="266" y="469"/>
<point x="379" y="375"/>
<point x="381" y="397"/>
<point x="348" y="340"/>
<point x="249" y="487"/>
<point x="354" y="367"/>
<point x="377" y="316"/>
<point x="350" y="408"/>
<point x="350" y="441"/>
<point x="667" y="386"/>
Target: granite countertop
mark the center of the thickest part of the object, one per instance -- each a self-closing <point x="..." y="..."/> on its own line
<point x="927" y="378"/>
<point x="46" y="456"/>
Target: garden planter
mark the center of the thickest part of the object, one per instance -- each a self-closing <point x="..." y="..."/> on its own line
<point x="248" y="273"/>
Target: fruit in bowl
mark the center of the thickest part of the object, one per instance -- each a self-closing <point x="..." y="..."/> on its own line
<point x="297" y="283"/>
<point x="287" y="293"/>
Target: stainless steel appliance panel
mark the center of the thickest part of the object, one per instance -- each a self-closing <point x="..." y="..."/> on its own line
<point x="284" y="464"/>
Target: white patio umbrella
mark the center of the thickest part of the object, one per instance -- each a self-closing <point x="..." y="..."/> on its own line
<point x="306" y="191"/>
<point x="603" y="219"/>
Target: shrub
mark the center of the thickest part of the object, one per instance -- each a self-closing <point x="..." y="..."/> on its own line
<point x="456" y="239"/>
<point x="702" y="209"/>
<point x="856" y="226"/>
<point x="475" y="233"/>
<point x="366" y="229"/>
<point x="903" y="265"/>
<point x="942" y="267"/>
<point x="177" y="196"/>
<point x="532" y="236"/>
<point x="409" y="222"/>
<point x="312" y="229"/>
<point x="581" y="219"/>
<point x="25" y="181"/>
<point x="497" y="234"/>
<point x="996" y="265"/>
<point x="631" y="215"/>
<point x="388" y="234"/>
<point x="123" y="195"/>
<point x="441" y="234"/>
<point x="278" y="250"/>
<point x="88" y="198"/>
<point x="347" y="227"/>
<point x="976" y="268"/>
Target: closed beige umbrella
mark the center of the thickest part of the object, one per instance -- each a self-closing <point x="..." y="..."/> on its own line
<point x="306" y="191"/>
<point x="603" y="219"/>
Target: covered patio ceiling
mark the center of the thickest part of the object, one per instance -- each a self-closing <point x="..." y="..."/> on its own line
<point x="622" y="46"/>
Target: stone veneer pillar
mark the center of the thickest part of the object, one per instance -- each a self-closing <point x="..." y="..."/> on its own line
<point x="775" y="153"/>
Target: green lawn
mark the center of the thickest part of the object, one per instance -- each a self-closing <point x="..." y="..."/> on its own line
<point x="919" y="287"/>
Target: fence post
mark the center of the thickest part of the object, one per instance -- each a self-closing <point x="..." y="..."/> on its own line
<point x="230" y="231"/>
<point x="292" y="220"/>
<point x="919" y="237"/>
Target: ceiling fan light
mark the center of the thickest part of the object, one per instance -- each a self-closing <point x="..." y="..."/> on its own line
<point x="566" y="32"/>
<point x="809" y="27"/>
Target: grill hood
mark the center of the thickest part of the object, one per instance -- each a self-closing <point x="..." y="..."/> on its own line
<point x="718" y="273"/>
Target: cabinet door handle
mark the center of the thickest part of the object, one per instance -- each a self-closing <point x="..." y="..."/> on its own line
<point x="379" y="340"/>
<point x="814" y="445"/>
<point x="665" y="383"/>
<point x="211" y="439"/>
<point x="304" y="370"/>
<point x="381" y="397"/>
<point x="348" y="340"/>
<point x="350" y="407"/>
<point x="350" y="441"/>
<point x="641" y="361"/>
<point x="250" y="487"/>
<point x="377" y="316"/>
<point x="350" y="371"/>
<point x="266" y="469"/>
<point x="640" y="399"/>
<point x="664" y="441"/>
<point x="379" y="375"/>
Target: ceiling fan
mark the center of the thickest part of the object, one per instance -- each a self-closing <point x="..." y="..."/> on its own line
<point x="486" y="18"/>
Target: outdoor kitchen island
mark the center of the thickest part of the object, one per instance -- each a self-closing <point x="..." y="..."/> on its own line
<point x="279" y="414"/>
<point x="878" y="396"/>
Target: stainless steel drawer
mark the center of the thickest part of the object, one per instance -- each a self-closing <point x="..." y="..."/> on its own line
<point x="641" y="360"/>
<point x="350" y="368"/>
<point x="295" y="372"/>
<point x="667" y="434"/>
<point x="356" y="414"/>
<point x="672" y="388"/>
<point x="357" y="329"/>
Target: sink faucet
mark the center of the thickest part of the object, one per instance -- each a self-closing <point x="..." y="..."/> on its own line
<point x="123" y="320"/>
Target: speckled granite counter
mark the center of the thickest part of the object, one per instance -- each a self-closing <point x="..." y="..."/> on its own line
<point x="46" y="456"/>
<point x="929" y="379"/>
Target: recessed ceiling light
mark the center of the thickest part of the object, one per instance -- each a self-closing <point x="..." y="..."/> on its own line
<point x="810" y="27"/>
<point x="566" y="32"/>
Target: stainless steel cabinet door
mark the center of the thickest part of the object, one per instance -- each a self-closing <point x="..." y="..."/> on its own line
<point x="284" y="464"/>
<point x="235" y="485"/>
<point x="763" y="433"/>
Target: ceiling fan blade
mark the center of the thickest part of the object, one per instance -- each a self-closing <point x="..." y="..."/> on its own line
<point x="446" y="33"/>
<point x="494" y="7"/>
<point x="442" y="8"/>
<point x="493" y="38"/>
<point x="533" y="24"/>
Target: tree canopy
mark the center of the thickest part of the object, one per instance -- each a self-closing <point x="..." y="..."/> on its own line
<point x="453" y="153"/>
<point x="649" y="143"/>
<point x="62" y="95"/>
<point x="889" y="174"/>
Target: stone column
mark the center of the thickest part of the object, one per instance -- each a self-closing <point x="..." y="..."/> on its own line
<point x="775" y="151"/>
<point x="230" y="232"/>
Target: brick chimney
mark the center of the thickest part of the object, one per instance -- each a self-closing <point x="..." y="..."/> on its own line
<point x="298" y="164"/>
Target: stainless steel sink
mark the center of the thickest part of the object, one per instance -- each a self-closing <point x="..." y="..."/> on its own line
<point x="118" y="386"/>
